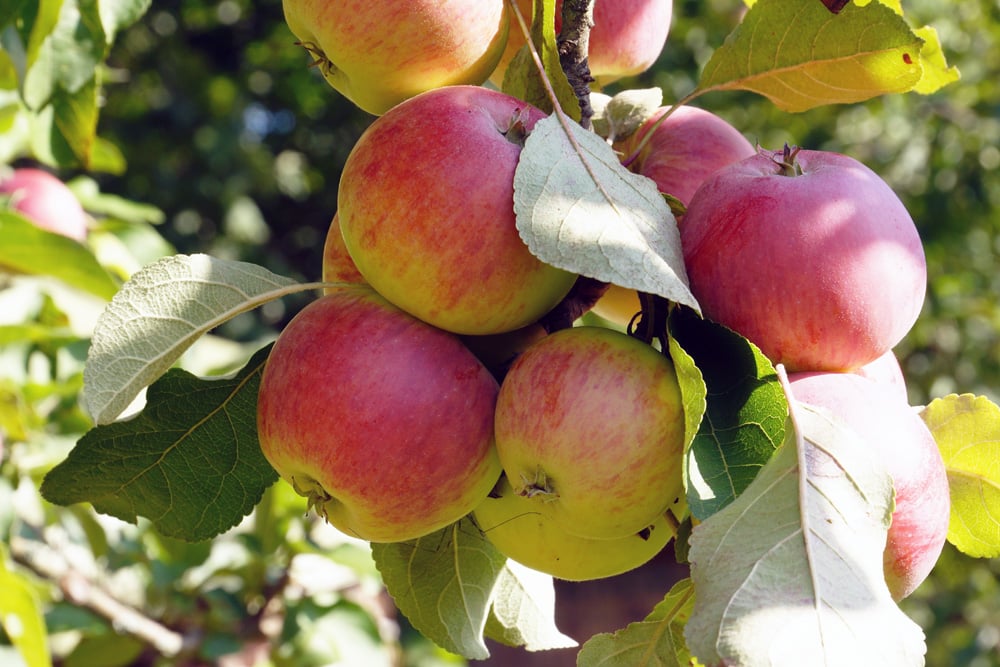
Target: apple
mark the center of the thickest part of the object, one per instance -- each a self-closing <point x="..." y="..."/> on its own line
<point x="686" y="148"/>
<point x="498" y="351"/>
<point x="809" y="254"/>
<point x="338" y="267"/>
<point x="513" y="525"/>
<point x="904" y="444"/>
<point x="378" y="54"/>
<point x="383" y="422"/>
<point x="626" y="39"/>
<point x="45" y="201"/>
<point x="426" y="207"/>
<point x="590" y="429"/>
<point x="886" y="369"/>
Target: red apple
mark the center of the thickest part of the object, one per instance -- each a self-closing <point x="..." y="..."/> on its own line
<point x="886" y="369"/>
<point x="626" y="39"/>
<point x="384" y="422"/>
<point x="808" y="254"/>
<point x="684" y="150"/>
<point x="519" y="532"/>
<point x="426" y="207"/>
<point x="378" y="54"/>
<point x="590" y="428"/>
<point x="46" y="201"/>
<point x="904" y="444"/>
<point x="338" y="267"/>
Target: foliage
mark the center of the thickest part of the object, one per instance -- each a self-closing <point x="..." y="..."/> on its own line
<point x="210" y="117"/>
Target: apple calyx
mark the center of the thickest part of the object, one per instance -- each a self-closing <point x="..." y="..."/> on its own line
<point x="320" y="60"/>
<point x="316" y="496"/>
<point x="787" y="163"/>
<point x="516" y="131"/>
<point x="539" y="486"/>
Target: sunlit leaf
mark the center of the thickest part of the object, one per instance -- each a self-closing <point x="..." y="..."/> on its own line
<point x="936" y="73"/>
<point x="799" y="55"/>
<point x="578" y="209"/>
<point x="190" y="462"/>
<point x="790" y="573"/>
<point x="21" y="617"/>
<point x="159" y="313"/>
<point x="523" y="611"/>
<point x="522" y="78"/>
<point x="967" y="431"/>
<point x="28" y="249"/>
<point x="655" y="641"/>
<point x="444" y="584"/>
<point x="744" y="421"/>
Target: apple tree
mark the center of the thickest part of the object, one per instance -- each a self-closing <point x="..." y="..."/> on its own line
<point x="560" y="323"/>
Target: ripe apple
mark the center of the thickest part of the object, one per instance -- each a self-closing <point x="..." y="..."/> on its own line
<point x="809" y="254"/>
<point x="383" y="422"/>
<point x="590" y="429"/>
<point x="683" y="150"/>
<point x="378" y="54"/>
<point x="498" y="351"/>
<point x="426" y="207"/>
<point x="338" y="267"/>
<point x="626" y="39"/>
<point x="46" y="201"/>
<point x="886" y="369"/>
<point x="515" y="527"/>
<point x="902" y="441"/>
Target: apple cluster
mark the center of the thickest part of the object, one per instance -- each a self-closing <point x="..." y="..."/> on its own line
<point x="425" y="385"/>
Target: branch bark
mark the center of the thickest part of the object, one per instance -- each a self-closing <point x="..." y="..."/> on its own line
<point x="573" y="44"/>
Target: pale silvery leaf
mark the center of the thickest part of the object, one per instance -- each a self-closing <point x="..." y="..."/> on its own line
<point x="599" y="118"/>
<point x="524" y="609"/>
<point x="158" y="314"/>
<point x="580" y="210"/>
<point x="790" y="573"/>
<point x="629" y="109"/>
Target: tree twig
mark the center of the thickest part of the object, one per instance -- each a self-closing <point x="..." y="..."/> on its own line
<point x="573" y="44"/>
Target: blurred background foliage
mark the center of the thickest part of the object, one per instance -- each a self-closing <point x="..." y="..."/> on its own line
<point x="228" y="132"/>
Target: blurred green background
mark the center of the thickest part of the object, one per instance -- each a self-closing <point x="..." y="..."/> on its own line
<point x="228" y="132"/>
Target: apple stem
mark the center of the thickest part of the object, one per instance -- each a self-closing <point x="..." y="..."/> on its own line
<point x="789" y="167"/>
<point x="650" y="323"/>
<point x="539" y="486"/>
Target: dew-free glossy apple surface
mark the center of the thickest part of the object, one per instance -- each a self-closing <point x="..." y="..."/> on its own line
<point x="378" y="54"/>
<point x="590" y="425"/>
<point x="426" y="206"/>
<point x="46" y="201"/>
<point x="385" y="421"/>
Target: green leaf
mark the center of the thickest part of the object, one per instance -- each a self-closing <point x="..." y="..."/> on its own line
<point x="21" y="617"/>
<point x="655" y="641"/>
<point x="159" y="313"/>
<point x="799" y="55"/>
<point x="967" y="431"/>
<point x="190" y="461"/>
<point x="935" y="71"/>
<point x="580" y="210"/>
<point x="75" y="117"/>
<point x="444" y="584"/>
<point x="28" y="249"/>
<point x="119" y="14"/>
<point x="744" y="422"/>
<point x="523" y="610"/>
<point x="522" y="78"/>
<point x="790" y="573"/>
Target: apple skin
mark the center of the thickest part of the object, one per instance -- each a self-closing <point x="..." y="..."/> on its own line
<point x="378" y="54"/>
<point x="626" y="39"/>
<point x="515" y="527"/>
<point x="886" y="370"/>
<point x="684" y="150"/>
<point x="426" y="207"/>
<point x="338" y="267"/>
<point x="384" y="422"/>
<point x="904" y="444"/>
<point x="823" y="270"/>
<point x="45" y="201"/>
<point x="590" y="428"/>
